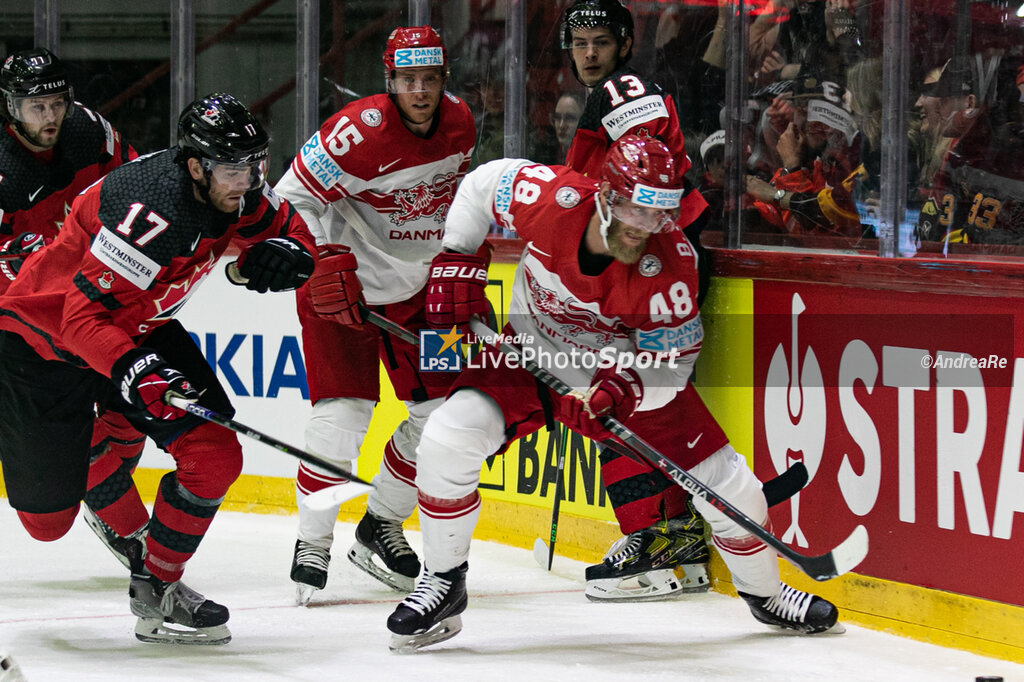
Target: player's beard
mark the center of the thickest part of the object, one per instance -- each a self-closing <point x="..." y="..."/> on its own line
<point x="622" y="250"/>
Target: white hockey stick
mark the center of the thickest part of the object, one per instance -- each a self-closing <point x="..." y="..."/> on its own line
<point x="843" y="558"/>
<point x="322" y="499"/>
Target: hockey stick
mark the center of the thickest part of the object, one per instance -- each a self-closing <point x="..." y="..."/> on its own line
<point x="843" y="558"/>
<point x="11" y="256"/>
<point x="354" y="487"/>
<point x="778" y="489"/>
<point x="545" y="554"/>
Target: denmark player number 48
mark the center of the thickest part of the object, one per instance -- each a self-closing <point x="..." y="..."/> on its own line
<point x="678" y="303"/>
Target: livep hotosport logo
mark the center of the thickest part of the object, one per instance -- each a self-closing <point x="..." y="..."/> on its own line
<point x="440" y="350"/>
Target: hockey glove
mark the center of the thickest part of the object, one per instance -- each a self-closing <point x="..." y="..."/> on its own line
<point x="455" y="290"/>
<point x="276" y="264"/>
<point x="612" y="394"/>
<point x="335" y="288"/>
<point x="24" y="244"/>
<point x="146" y="381"/>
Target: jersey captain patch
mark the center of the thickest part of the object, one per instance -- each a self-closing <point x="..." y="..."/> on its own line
<point x="567" y="197"/>
<point x="650" y="265"/>
<point x="371" y="117"/>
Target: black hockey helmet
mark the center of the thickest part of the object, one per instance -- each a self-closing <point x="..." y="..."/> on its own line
<point x="33" y="73"/>
<point x="584" y="14"/>
<point x="220" y="132"/>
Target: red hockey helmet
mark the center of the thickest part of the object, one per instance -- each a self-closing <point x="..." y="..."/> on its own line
<point x="645" y="184"/>
<point x="412" y="47"/>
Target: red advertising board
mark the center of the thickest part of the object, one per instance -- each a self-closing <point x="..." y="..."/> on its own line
<point x="908" y="410"/>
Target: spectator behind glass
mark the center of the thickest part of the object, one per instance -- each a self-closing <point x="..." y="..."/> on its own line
<point x="812" y="191"/>
<point x="712" y="184"/>
<point x="978" y="196"/>
<point x="929" y="144"/>
<point x="567" y="114"/>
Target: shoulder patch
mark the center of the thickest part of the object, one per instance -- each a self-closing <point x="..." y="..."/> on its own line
<point x="650" y="265"/>
<point x="371" y="117"/>
<point x="567" y="197"/>
<point x="452" y="98"/>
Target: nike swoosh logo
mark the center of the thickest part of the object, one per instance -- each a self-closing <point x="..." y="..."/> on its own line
<point x="531" y="247"/>
<point x="384" y="167"/>
<point x="694" y="441"/>
<point x="32" y="197"/>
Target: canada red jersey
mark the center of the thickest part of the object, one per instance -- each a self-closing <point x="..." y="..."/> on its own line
<point x="36" y="189"/>
<point x="626" y="103"/>
<point x="133" y="249"/>
<point x="646" y="306"/>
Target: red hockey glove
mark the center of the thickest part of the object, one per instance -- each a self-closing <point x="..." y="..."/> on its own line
<point x="24" y="244"/>
<point x="455" y="290"/>
<point x="335" y="288"/>
<point x="145" y="381"/>
<point x="612" y="394"/>
<point x="276" y="264"/>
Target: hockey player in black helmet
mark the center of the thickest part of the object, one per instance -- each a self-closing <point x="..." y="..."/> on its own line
<point x="663" y="553"/>
<point x="221" y="144"/>
<point x="53" y="150"/>
<point x="582" y="17"/>
<point x="37" y="97"/>
<point x="90" y="321"/>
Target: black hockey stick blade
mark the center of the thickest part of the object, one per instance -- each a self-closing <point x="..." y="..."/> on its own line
<point x="785" y="485"/>
<point x="841" y="559"/>
<point x="776" y="490"/>
<point x="322" y="499"/>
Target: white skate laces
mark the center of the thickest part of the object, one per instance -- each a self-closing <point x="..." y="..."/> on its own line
<point x="790" y="603"/>
<point x="429" y="594"/>
<point x="310" y="555"/>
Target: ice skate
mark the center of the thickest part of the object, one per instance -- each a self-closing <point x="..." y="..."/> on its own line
<point x="309" y="570"/>
<point x="431" y="613"/>
<point x="794" y="609"/>
<point x="382" y="551"/>
<point x="125" y="549"/>
<point x="173" y="613"/>
<point x="663" y="561"/>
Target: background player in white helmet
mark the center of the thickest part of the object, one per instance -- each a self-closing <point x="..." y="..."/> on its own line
<point x="604" y="268"/>
<point x="374" y="184"/>
<point x="663" y="552"/>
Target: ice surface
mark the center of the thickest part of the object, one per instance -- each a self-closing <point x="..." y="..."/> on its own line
<point x="64" y="616"/>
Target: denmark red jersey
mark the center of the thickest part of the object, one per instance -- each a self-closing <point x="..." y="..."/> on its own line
<point x="647" y="306"/>
<point x="366" y="181"/>
<point x="133" y="249"/>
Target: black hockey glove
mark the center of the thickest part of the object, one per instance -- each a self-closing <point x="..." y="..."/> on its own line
<point x="277" y="264"/>
<point x="146" y="381"/>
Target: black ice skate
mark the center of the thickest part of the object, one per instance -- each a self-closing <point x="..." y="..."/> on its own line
<point x="431" y="613"/>
<point x="794" y="609"/>
<point x="395" y="565"/>
<point x="663" y="561"/>
<point x="173" y="613"/>
<point x="309" y="570"/>
<point x="126" y="550"/>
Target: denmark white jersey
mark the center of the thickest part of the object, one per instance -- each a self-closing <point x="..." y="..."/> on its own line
<point x="364" y="180"/>
<point x="648" y="306"/>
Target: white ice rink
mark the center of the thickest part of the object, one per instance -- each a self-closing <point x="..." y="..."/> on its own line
<point x="64" y="616"/>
